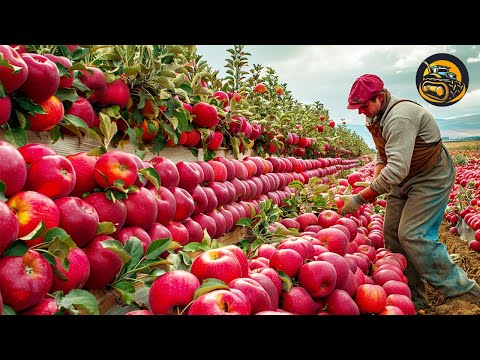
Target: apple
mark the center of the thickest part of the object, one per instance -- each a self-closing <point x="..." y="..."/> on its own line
<point x="306" y="219"/>
<point x="382" y="276"/>
<point x="218" y="263"/>
<point x="108" y="210"/>
<point x="350" y="225"/>
<point x="10" y="226"/>
<point x="220" y="223"/>
<point x="205" y="115"/>
<point x="116" y="92"/>
<point x="368" y="250"/>
<point x="33" y="151"/>
<point x="83" y="109"/>
<point x="318" y="277"/>
<point x="260" y="88"/>
<point x="129" y="232"/>
<point x="13" y="77"/>
<point x="51" y="175"/>
<point x="221" y="302"/>
<point x="266" y="250"/>
<point x="241" y="257"/>
<point x="159" y="231"/>
<point x="327" y="218"/>
<point x="298" y="301"/>
<point x="257" y="296"/>
<point x="104" y="263"/>
<point x="115" y="165"/>
<point x="167" y="170"/>
<point x="5" y="109"/>
<point x="299" y="244"/>
<point x="370" y="298"/>
<point x="24" y="280"/>
<point x="46" y="306"/>
<point x="214" y="140"/>
<point x="141" y="207"/>
<point x="339" y="263"/>
<point x="397" y="287"/>
<point x="75" y="276"/>
<point x="229" y="166"/>
<point x="84" y="166"/>
<point x="184" y="204"/>
<point x="206" y="222"/>
<point x="267" y="283"/>
<point x="403" y="302"/>
<point x="339" y="302"/>
<point x="66" y="77"/>
<point x="287" y="260"/>
<point x="31" y="208"/>
<point x="13" y="169"/>
<point x="179" y="232"/>
<point x="193" y="138"/>
<point x="166" y="204"/>
<point x="189" y="176"/>
<point x="195" y="230"/>
<point x="43" y="77"/>
<point x="222" y="98"/>
<point x="93" y="78"/>
<point x="220" y="172"/>
<point x="78" y="218"/>
<point x="333" y="239"/>
<point x="354" y="177"/>
<point x="391" y="310"/>
<point x="171" y="292"/>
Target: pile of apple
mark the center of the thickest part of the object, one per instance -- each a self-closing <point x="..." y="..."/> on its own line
<point x="304" y="275"/>
<point x="85" y="195"/>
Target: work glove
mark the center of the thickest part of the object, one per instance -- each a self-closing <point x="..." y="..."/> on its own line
<point x="351" y="203"/>
<point x="361" y="183"/>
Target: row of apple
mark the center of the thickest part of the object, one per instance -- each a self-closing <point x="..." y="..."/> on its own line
<point x="45" y="188"/>
<point x="51" y="92"/>
<point x="464" y="203"/>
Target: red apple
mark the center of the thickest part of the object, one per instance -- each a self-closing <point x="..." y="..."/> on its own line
<point x="167" y="170"/>
<point x="340" y="264"/>
<point x="95" y="80"/>
<point x="318" y="278"/>
<point x="33" y="151"/>
<point x="266" y="250"/>
<point x="5" y="109"/>
<point x="339" y="302"/>
<point x="83" y="109"/>
<point x="170" y="293"/>
<point x="391" y="310"/>
<point x="298" y="301"/>
<point x="104" y="263"/>
<point x="189" y="176"/>
<point x="382" y="276"/>
<point x="66" y="77"/>
<point x="52" y="115"/>
<point x="241" y="257"/>
<point x="255" y="293"/>
<point x="269" y="287"/>
<point x="370" y="298"/>
<point x="13" y="169"/>
<point x="205" y="115"/>
<point x="10" y="226"/>
<point x="195" y="230"/>
<point x="327" y="218"/>
<point x="139" y="312"/>
<point x="166" y="204"/>
<point x="115" y="165"/>
<point x="350" y="225"/>
<point x="299" y="244"/>
<point x="78" y="218"/>
<point x="221" y="302"/>
<point x="179" y="232"/>
<point x="184" y="204"/>
<point x="403" y="302"/>
<point x="222" y="98"/>
<point x="12" y="77"/>
<point x="108" y="210"/>
<point x="333" y="239"/>
<point x="397" y="287"/>
<point x="220" y="173"/>
<point x="51" y="175"/>
<point x="306" y="219"/>
<point x="24" y="280"/>
<point x="287" y="260"/>
<point x="206" y="222"/>
<point x="141" y="207"/>
<point x="116" y="92"/>
<point x="218" y="263"/>
<point x="75" y="276"/>
<point x="43" y="77"/>
<point x="31" y="208"/>
<point x="84" y="166"/>
<point x="46" y="306"/>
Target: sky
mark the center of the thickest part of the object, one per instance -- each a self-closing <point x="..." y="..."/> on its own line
<point x="326" y="73"/>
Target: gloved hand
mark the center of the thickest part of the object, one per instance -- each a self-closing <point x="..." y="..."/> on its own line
<point x="361" y="183"/>
<point x="351" y="203"/>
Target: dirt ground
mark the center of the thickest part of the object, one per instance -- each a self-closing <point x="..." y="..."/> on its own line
<point x="465" y="258"/>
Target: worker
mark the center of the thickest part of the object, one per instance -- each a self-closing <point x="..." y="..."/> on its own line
<point x="415" y="170"/>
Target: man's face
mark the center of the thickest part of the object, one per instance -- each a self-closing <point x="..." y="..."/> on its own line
<point x="371" y="109"/>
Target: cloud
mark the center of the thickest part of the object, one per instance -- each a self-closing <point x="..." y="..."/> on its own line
<point x="474" y="59"/>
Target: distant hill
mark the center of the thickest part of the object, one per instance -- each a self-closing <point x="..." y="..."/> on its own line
<point x="454" y="128"/>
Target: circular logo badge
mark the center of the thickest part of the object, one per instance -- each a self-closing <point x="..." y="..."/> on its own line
<point x="442" y="79"/>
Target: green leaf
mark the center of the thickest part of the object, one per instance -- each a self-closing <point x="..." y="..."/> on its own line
<point x="16" y="136"/>
<point x="67" y="95"/>
<point x="157" y="247"/>
<point x="7" y="310"/>
<point x="76" y="121"/>
<point x="117" y="248"/>
<point x="187" y="88"/>
<point x="79" y="299"/>
<point x="59" y="234"/>
<point x="127" y="290"/>
<point x="287" y="282"/>
<point x="244" y="221"/>
<point x="152" y="175"/>
<point x="134" y="248"/>
<point x="105" y="228"/>
<point x="3" y="187"/>
<point x="17" y="248"/>
<point x="209" y="285"/>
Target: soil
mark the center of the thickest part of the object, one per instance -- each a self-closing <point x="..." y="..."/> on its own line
<point x="465" y="258"/>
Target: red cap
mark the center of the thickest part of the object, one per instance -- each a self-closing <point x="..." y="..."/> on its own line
<point x="363" y="89"/>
